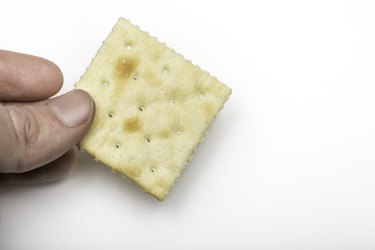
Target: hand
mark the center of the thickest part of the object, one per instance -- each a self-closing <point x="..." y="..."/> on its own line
<point x="37" y="134"/>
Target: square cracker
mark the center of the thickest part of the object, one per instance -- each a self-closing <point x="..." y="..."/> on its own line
<point x="153" y="108"/>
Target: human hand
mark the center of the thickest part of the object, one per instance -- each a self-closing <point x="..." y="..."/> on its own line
<point x="37" y="134"/>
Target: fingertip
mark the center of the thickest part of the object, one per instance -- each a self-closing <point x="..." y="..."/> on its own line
<point x="54" y="76"/>
<point x="73" y="108"/>
<point x="26" y="77"/>
<point x="49" y="76"/>
<point x="87" y="98"/>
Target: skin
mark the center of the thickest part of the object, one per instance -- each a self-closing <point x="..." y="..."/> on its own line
<point x="37" y="133"/>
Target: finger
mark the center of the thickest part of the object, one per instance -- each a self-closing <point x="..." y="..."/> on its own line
<point x="52" y="171"/>
<point x="34" y="134"/>
<point x="27" y="78"/>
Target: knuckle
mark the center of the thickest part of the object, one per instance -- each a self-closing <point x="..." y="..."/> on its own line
<point x="24" y="123"/>
<point x="23" y="131"/>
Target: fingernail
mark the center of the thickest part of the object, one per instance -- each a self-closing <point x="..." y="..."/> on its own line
<point x="73" y="108"/>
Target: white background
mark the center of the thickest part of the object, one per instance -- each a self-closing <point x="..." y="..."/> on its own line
<point x="288" y="164"/>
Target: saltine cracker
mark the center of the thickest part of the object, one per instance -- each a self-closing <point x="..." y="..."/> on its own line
<point x="153" y="108"/>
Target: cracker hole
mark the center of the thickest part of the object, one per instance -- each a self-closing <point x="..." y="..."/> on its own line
<point x="117" y="146"/>
<point x="129" y="46"/>
<point x="148" y="139"/>
<point x="141" y="108"/>
<point x="153" y="169"/>
<point x="110" y="115"/>
<point x="165" y="69"/>
<point x="105" y="84"/>
<point x="135" y="77"/>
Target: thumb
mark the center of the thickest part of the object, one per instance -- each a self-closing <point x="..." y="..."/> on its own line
<point x="34" y="134"/>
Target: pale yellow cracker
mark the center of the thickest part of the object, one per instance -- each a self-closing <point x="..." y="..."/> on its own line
<point x="153" y="108"/>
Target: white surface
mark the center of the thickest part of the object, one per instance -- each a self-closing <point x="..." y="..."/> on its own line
<point x="289" y="163"/>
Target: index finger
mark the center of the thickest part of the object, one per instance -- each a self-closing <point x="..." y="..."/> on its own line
<point x="27" y="78"/>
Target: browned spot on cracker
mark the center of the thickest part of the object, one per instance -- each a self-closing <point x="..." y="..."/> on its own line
<point x="124" y="67"/>
<point x="123" y="71"/>
<point x="132" y="125"/>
